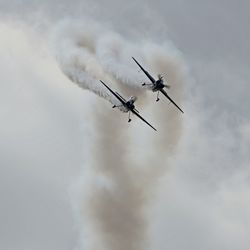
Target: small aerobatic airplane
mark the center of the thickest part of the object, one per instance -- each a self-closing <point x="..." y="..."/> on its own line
<point x="128" y="106"/>
<point x="156" y="85"/>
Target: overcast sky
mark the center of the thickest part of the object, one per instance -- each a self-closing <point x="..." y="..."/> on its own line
<point x="203" y="202"/>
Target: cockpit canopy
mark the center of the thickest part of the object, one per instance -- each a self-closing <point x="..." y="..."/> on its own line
<point x="133" y="99"/>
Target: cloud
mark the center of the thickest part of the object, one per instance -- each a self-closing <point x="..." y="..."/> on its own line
<point x="36" y="154"/>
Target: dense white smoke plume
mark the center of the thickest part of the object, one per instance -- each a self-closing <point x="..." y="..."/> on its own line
<point x="121" y="172"/>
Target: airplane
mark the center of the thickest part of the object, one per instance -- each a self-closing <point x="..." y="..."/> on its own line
<point x="157" y="85"/>
<point x="127" y="105"/>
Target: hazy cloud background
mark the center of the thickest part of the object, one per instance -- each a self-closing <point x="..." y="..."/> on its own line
<point x="203" y="202"/>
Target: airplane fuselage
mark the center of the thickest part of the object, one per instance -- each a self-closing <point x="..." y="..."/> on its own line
<point x="130" y="103"/>
<point x="158" y="85"/>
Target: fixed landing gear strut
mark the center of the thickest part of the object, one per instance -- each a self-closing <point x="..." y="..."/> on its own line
<point x="158" y="99"/>
<point x="129" y="120"/>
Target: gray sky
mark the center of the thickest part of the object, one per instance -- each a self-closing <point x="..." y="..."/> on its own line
<point x="203" y="203"/>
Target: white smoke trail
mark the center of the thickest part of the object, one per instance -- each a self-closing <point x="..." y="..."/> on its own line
<point x="115" y="206"/>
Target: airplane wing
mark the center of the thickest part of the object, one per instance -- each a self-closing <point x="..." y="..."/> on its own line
<point x="118" y="96"/>
<point x="165" y="93"/>
<point x="135" y="112"/>
<point x="146" y="72"/>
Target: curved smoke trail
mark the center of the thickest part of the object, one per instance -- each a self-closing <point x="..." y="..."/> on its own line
<point x="114" y="204"/>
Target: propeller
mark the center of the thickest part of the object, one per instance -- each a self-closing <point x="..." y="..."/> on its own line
<point x="160" y="77"/>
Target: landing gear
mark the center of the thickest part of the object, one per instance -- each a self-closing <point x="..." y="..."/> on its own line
<point x="158" y="99"/>
<point x="114" y="106"/>
<point x="129" y="120"/>
<point x="143" y="84"/>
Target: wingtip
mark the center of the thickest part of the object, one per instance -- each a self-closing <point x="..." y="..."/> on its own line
<point x="134" y="59"/>
<point x="154" y="128"/>
<point x="102" y="82"/>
